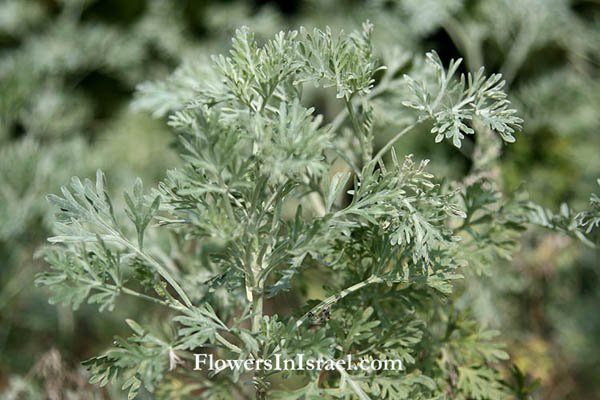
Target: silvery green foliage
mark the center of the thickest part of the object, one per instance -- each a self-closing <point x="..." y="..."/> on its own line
<point x="452" y="103"/>
<point x="257" y="203"/>
<point x="591" y="219"/>
<point x="582" y="225"/>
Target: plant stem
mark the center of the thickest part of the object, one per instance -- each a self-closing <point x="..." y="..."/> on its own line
<point x="162" y="271"/>
<point x="366" y="146"/>
<point x="118" y="237"/>
<point x="383" y="85"/>
<point x="336" y="297"/>
<point x="218" y="336"/>
<point x="227" y="343"/>
<point x="257" y="314"/>
<point x="130" y="292"/>
<point x="149" y="298"/>
<point x="389" y="144"/>
<point x="225" y="196"/>
<point x="254" y="293"/>
<point x="356" y="388"/>
<point x="257" y="310"/>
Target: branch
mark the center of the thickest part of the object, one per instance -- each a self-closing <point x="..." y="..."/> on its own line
<point x="162" y="271"/>
<point x="219" y="338"/>
<point x="366" y="157"/>
<point x="383" y="86"/>
<point x="389" y="144"/>
<point x="336" y="297"/>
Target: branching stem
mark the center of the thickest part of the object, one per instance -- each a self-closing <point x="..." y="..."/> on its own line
<point x="397" y="137"/>
<point x="162" y="271"/>
<point x="338" y="296"/>
<point x="365" y="145"/>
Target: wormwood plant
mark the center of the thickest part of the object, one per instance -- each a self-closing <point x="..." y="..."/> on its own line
<point x="271" y="199"/>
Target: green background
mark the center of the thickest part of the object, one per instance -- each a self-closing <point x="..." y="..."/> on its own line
<point x="68" y="72"/>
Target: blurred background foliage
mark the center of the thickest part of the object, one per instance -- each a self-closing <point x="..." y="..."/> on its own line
<point x="68" y="71"/>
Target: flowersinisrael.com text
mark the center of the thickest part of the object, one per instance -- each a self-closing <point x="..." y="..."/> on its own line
<point x="299" y="363"/>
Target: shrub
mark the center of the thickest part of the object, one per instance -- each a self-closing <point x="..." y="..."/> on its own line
<point x="269" y="197"/>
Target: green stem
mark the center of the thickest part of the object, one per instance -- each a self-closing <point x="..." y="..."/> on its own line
<point x="154" y="300"/>
<point x="148" y="298"/>
<point x="257" y="315"/>
<point x="352" y="383"/>
<point x="228" y="208"/>
<point x="163" y="272"/>
<point x="257" y="292"/>
<point x="254" y="291"/>
<point x="227" y="343"/>
<point x="366" y="146"/>
<point x="383" y="86"/>
<point x="117" y="236"/>
<point x="257" y="310"/>
<point x="336" y="297"/>
<point x="218" y="336"/>
<point x="397" y="137"/>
